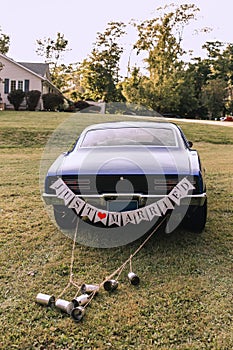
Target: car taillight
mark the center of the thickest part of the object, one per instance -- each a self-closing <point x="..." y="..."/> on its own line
<point x="165" y="185"/>
<point x="77" y="184"/>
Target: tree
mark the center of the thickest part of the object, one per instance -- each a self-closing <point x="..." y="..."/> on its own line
<point x="161" y="39"/>
<point x="100" y="71"/>
<point x="197" y="74"/>
<point x="52" y="51"/>
<point x="97" y="82"/>
<point x="72" y="88"/>
<point x="213" y="96"/>
<point x="199" y="71"/>
<point x="4" y="43"/>
<point x="227" y="63"/>
<point x="188" y="103"/>
<point x="134" y="87"/>
<point x="16" y="97"/>
<point x="61" y="75"/>
<point x="220" y="58"/>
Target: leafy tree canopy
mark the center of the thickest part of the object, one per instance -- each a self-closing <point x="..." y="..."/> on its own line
<point x="4" y="42"/>
<point x="100" y="71"/>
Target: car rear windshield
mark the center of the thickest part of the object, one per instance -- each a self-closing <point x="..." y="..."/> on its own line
<point x="161" y="137"/>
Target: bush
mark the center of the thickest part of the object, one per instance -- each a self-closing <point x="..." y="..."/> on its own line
<point x="70" y="107"/>
<point x="33" y="97"/>
<point x="16" y="97"/>
<point x="51" y="101"/>
<point x="79" y="105"/>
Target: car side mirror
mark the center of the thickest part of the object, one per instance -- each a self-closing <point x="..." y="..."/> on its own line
<point x="190" y="144"/>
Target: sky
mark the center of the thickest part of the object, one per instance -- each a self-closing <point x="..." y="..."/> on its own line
<point x="25" y="21"/>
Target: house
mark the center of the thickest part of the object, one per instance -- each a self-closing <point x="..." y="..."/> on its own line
<point x="25" y="76"/>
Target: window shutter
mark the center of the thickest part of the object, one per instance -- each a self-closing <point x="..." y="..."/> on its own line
<point x="6" y="86"/>
<point x="26" y="85"/>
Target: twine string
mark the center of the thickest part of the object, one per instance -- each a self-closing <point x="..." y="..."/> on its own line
<point x="71" y="281"/>
<point x="121" y="268"/>
<point x="117" y="272"/>
<point x="130" y="263"/>
<point x="91" y="296"/>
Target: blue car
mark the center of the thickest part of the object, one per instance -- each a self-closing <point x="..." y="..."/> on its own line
<point x="120" y="173"/>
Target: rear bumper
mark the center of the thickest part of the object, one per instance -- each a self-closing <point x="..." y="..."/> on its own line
<point x="196" y="200"/>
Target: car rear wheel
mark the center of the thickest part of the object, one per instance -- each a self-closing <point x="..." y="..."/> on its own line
<point x="195" y="218"/>
<point x="64" y="217"/>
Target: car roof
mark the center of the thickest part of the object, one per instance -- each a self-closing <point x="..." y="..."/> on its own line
<point x="133" y="124"/>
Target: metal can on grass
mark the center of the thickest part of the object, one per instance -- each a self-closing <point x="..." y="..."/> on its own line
<point x="45" y="299"/>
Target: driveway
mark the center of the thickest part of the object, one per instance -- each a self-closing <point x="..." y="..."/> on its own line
<point x="211" y="122"/>
<point x="200" y="121"/>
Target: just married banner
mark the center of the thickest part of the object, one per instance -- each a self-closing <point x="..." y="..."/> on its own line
<point x="108" y="218"/>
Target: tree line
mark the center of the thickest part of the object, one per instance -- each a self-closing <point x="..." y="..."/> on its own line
<point x="197" y="88"/>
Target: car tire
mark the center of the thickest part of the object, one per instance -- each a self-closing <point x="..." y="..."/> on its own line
<point x="64" y="217"/>
<point x="195" y="218"/>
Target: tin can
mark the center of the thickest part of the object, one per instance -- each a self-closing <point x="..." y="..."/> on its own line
<point x="133" y="278"/>
<point x="80" y="300"/>
<point x="45" y="299"/>
<point x="77" y="313"/>
<point x="64" y="305"/>
<point x="110" y="285"/>
<point x="89" y="288"/>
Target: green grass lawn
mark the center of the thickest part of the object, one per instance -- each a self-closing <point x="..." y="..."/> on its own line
<point x="184" y="300"/>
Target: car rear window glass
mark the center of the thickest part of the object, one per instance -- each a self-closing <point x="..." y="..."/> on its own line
<point x="130" y="136"/>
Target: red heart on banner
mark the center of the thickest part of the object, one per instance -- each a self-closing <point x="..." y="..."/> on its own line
<point x="101" y="215"/>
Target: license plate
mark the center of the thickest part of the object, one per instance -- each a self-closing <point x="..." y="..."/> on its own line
<point x="120" y="206"/>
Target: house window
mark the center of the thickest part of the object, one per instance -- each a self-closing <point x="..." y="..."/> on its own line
<point x="13" y="85"/>
<point x="6" y="86"/>
<point x="20" y="85"/>
<point x="26" y="85"/>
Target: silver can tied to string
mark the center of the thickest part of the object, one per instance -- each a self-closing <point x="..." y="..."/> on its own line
<point x="89" y="288"/>
<point x="133" y="278"/>
<point x="45" y="299"/>
<point x="64" y="305"/>
<point x="77" y="313"/>
<point x="81" y="300"/>
<point x="110" y="285"/>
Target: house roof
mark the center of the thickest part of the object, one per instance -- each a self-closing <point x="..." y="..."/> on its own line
<point x="38" y="68"/>
<point x="23" y="66"/>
